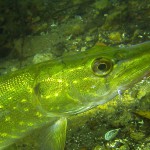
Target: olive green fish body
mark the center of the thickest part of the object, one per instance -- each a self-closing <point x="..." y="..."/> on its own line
<point x="48" y="92"/>
<point x="18" y="107"/>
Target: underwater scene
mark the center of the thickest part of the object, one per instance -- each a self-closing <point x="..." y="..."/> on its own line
<point x="75" y="75"/>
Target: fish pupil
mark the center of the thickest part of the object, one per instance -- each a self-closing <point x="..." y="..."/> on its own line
<point x="102" y="67"/>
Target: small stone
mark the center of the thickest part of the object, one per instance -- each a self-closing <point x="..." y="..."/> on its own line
<point x="14" y="69"/>
<point x="115" y="36"/>
<point x="137" y="136"/>
<point x="41" y="58"/>
<point x="97" y="148"/>
<point x="83" y="49"/>
<point x="88" y="38"/>
<point x="111" y="134"/>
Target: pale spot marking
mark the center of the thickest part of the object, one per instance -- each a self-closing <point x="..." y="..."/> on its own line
<point x="30" y="124"/>
<point x="1" y="106"/>
<point x="7" y="118"/>
<point x="59" y="80"/>
<point x="23" y="100"/>
<point x="48" y="96"/>
<point x="3" y="134"/>
<point x="9" y="98"/>
<point x="56" y="94"/>
<point x="21" y="123"/>
<point x="75" y="81"/>
<point x="14" y="107"/>
<point x="26" y="109"/>
<point x="38" y="114"/>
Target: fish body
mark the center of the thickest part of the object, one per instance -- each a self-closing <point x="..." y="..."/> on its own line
<point x="45" y="94"/>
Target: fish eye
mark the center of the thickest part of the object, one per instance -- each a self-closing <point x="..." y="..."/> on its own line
<point x="102" y="66"/>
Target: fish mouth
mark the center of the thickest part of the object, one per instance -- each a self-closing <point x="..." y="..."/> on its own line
<point x="119" y="91"/>
<point x="108" y="96"/>
<point x="141" y="78"/>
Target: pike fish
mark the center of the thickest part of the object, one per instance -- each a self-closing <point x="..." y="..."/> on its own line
<point x="42" y="96"/>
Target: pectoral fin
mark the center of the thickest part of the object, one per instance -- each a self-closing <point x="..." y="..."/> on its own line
<point x="55" y="136"/>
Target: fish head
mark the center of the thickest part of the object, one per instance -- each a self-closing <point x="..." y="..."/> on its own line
<point x="104" y="72"/>
<point x="85" y="80"/>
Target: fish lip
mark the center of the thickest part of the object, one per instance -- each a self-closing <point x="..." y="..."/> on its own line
<point x="148" y="74"/>
<point x="113" y="94"/>
<point x="128" y="86"/>
<point x="143" y="77"/>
